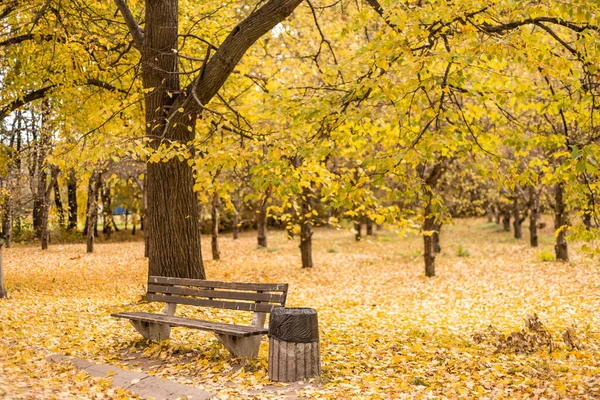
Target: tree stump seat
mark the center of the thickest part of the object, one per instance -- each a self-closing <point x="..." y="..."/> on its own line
<point x="240" y="340"/>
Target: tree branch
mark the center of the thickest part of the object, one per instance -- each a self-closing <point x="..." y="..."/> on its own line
<point x="136" y="31"/>
<point x="28" y="98"/>
<point x="104" y="85"/>
<point x="27" y="37"/>
<point x="206" y="85"/>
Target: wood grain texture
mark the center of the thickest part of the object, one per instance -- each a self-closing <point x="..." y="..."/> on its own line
<point x="292" y="362"/>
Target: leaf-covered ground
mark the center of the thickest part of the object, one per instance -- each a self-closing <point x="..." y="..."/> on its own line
<point x="386" y="330"/>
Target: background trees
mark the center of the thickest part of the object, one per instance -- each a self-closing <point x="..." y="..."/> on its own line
<point x="407" y="114"/>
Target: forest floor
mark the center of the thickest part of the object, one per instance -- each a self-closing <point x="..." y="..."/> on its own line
<point x="387" y="331"/>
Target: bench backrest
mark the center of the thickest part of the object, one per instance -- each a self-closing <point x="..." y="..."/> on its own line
<point x="258" y="297"/>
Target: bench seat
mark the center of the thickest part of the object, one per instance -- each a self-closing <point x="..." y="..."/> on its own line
<point x="240" y="340"/>
<point x="216" y="327"/>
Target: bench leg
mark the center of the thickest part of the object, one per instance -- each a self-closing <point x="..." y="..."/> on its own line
<point x="152" y="330"/>
<point x="245" y="347"/>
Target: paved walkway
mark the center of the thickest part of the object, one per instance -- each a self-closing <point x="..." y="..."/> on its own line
<point x="141" y="384"/>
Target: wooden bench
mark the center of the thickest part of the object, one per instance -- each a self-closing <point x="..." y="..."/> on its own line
<point x="240" y="340"/>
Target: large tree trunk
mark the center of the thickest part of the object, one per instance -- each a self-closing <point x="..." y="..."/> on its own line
<point x="92" y="211"/>
<point x="428" y="241"/>
<point x="72" y="198"/>
<point x="533" y="217"/>
<point x="171" y="113"/>
<point x="560" y="223"/>
<point x="261" y="221"/>
<point x="173" y="217"/>
<point x="517" y="218"/>
<point x="216" y="254"/>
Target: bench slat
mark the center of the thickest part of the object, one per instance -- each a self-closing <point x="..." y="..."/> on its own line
<point x="221" y="328"/>
<point x="230" y="305"/>
<point x="218" y="294"/>
<point x="265" y="287"/>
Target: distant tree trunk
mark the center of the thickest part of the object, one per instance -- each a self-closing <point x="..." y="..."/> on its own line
<point x="72" y="199"/>
<point x="216" y="254"/>
<point x="497" y="214"/>
<point x="517" y="218"/>
<point x="369" y="227"/>
<point x="357" y="229"/>
<point x="533" y="217"/>
<point x="236" y="217"/>
<point x="261" y="220"/>
<point x="6" y="224"/>
<point x="59" y="206"/>
<point x="3" y="293"/>
<point x="44" y="229"/>
<point x="560" y="223"/>
<point x="106" y="211"/>
<point x="428" y="241"/>
<point x="436" y="238"/>
<point x="506" y="219"/>
<point x="329" y="216"/>
<point x="92" y="208"/>
<point x="306" y="231"/>
<point x="588" y="213"/>
<point x="490" y="213"/>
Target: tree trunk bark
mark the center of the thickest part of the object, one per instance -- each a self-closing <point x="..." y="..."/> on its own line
<point x="506" y="219"/>
<point x="72" y="199"/>
<point x="216" y="254"/>
<point x="306" y="231"/>
<point x="533" y="217"/>
<point x="261" y="221"/>
<point x="173" y="213"/>
<point x="92" y="211"/>
<point x="560" y="223"/>
<point x="3" y="293"/>
<point x="518" y="231"/>
<point x="428" y="241"/>
<point x="436" y="238"/>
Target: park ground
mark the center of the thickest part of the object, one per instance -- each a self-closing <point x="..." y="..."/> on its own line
<point x="387" y="331"/>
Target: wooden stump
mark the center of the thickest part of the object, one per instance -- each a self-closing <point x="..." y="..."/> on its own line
<point x="291" y="362"/>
